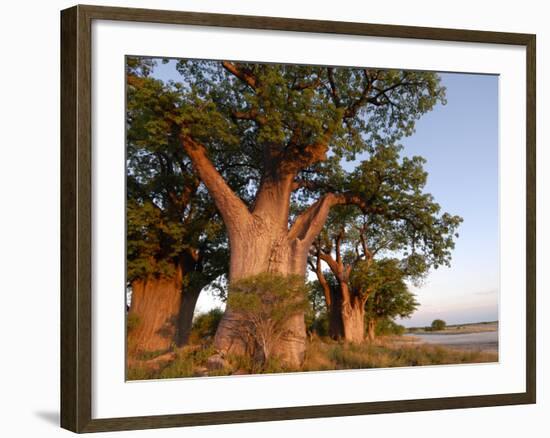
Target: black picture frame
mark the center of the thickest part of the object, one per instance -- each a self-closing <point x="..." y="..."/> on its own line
<point x="76" y="218"/>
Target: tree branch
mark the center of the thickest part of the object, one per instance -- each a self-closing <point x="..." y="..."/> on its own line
<point x="244" y="74"/>
<point x="233" y="210"/>
<point x="332" y="264"/>
<point x="333" y="90"/>
<point x="322" y="280"/>
<point x="309" y="224"/>
<point x="305" y="85"/>
<point x="250" y="115"/>
<point x="364" y="98"/>
<point x="337" y="245"/>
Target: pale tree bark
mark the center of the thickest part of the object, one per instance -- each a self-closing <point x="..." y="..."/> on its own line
<point x="353" y="318"/>
<point x="162" y="306"/>
<point x="259" y="242"/>
<point x="154" y="312"/>
<point x="265" y="249"/>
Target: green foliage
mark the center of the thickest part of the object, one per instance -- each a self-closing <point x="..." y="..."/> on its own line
<point x="316" y="297"/>
<point x="391" y="298"/>
<point x="266" y="302"/>
<point x="172" y="223"/>
<point x="205" y="326"/>
<point x="188" y="363"/>
<point x="317" y="315"/>
<point x="399" y="215"/>
<point x="387" y="327"/>
<point x="359" y="106"/>
<point x="377" y="276"/>
<point x="438" y="324"/>
<point x="274" y="120"/>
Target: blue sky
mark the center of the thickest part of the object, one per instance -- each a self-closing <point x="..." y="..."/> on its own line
<point x="459" y="140"/>
<point x="460" y="143"/>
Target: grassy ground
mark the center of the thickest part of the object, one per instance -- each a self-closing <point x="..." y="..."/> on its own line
<point x="321" y="355"/>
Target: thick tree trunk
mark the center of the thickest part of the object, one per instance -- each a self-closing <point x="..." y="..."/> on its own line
<point x="371" y="329"/>
<point x="185" y="319"/>
<point x="260" y="241"/>
<point x="154" y="311"/>
<point x="264" y="247"/>
<point x="346" y="315"/>
<point x="353" y="317"/>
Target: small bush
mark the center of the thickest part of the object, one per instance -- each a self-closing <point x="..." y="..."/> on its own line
<point x="438" y="324"/>
<point x="205" y="326"/>
<point x="387" y="327"/>
<point x="266" y="302"/>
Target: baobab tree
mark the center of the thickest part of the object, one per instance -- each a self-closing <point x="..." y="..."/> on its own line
<point x="176" y="242"/>
<point x="288" y="126"/>
<point x="402" y="237"/>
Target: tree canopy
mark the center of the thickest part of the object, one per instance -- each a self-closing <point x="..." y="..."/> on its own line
<point x="171" y="219"/>
<point x="264" y="146"/>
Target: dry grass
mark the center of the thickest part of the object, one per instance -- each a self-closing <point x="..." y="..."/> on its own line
<point x="385" y="353"/>
<point x="321" y="355"/>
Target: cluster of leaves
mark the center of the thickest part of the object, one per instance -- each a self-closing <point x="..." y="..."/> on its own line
<point x="438" y="324"/>
<point x="372" y="277"/>
<point x="171" y="221"/>
<point x="205" y="325"/>
<point x="400" y="215"/>
<point x="387" y="327"/>
<point x="391" y="299"/>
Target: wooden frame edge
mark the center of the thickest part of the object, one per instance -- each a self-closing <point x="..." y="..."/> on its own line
<point x="76" y="196"/>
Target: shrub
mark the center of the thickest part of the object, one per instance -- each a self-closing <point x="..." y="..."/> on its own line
<point x="387" y="327"/>
<point x="205" y="325"/>
<point x="438" y="324"/>
<point x="266" y="302"/>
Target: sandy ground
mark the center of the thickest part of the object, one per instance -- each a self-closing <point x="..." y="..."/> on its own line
<point x="476" y="339"/>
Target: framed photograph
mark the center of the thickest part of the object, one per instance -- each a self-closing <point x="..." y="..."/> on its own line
<point x="269" y="219"/>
